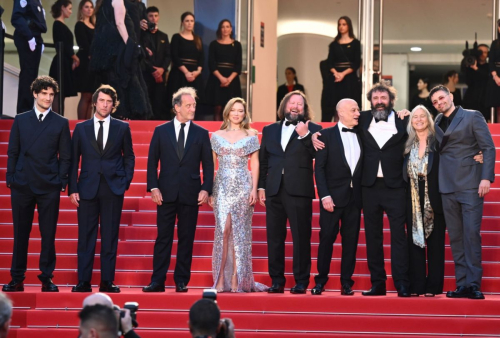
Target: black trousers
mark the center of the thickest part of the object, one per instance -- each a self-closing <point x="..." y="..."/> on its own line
<point x="298" y="211"/>
<point x="29" y="61"/>
<point x="157" y="93"/>
<point x="23" y="209"/>
<point x="104" y="209"/>
<point x="427" y="277"/>
<point x="187" y="216"/>
<point x="377" y="199"/>
<point x="350" y="217"/>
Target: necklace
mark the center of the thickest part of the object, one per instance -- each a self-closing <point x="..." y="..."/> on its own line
<point x="233" y="129"/>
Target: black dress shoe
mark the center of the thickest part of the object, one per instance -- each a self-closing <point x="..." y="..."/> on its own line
<point x="379" y="291"/>
<point x="107" y="286"/>
<point x="181" y="287"/>
<point x="154" y="287"/>
<point x="13" y="286"/>
<point x="346" y="290"/>
<point x="460" y="292"/>
<point x="48" y="286"/>
<point x="299" y="288"/>
<point x="82" y="287"/>
<point x="475" y="293"/>
<point x="276" y="288"/>
<point x="404" y="291"/>
<point x="318" y="289"/>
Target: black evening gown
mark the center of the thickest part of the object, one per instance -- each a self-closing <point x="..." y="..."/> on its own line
<point x="475" y="95"/>
<point x="493" y="91"/>
<point x="117" y="64"/>
<point x="341" y="57"/>
<point x="61" y="33"/>
<point x="226" y="58"/>
<point x="184" y="53"/>
<point x="85" y="79"/>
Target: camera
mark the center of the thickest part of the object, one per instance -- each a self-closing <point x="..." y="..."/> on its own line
<point x="470" y="55"/>
<point x="151" y="26"/>
<point x="132" y="307"/>
<point x="210" y="294"/>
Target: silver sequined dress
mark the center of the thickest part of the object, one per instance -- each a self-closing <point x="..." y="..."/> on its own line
<point x="232" y="187"/>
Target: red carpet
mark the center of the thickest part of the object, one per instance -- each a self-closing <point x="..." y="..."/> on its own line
<point x="256" y="314"/>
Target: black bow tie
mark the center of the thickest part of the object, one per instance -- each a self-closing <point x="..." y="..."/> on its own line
<point x="287" y="123"/>
<point x="378" y="120"/>
<point x="344" y="129"/>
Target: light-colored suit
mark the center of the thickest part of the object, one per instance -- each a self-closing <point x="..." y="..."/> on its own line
<point x="459" y="179"/>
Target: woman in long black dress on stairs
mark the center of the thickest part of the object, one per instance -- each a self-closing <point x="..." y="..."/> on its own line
<point x="344" y="59"/>
<point x="224" y="62"/>
<point x="187" y="58"/>
<point x="61" y="10"/>
<point x="86" y="82"/>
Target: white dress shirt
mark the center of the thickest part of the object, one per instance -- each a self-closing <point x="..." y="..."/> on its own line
<point x="105" y="129"/>
<point x="177" y="127"/>
<point x="286" y="133"/>
<point x="382" y="131"/>
<point x="44" y="113"/>
<point x="352" y="150"/>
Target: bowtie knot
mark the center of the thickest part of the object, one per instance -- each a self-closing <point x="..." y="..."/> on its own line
<point x="382" y="119"/>
<point x="287" y="123"/>
<point x="353" y="130"/>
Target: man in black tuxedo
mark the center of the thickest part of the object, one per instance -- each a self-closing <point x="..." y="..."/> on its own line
<point x="155" y="65"/>
<point x="338" y="178"/>
<point x="104" y="145"/>
<point x="286" y="189"/>
<point x="39" y="157"/>
<point x="384" y="136"/>
<point x="179" y="146"/>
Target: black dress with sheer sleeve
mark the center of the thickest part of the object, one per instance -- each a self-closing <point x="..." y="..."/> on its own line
<point x="226" y="58"/>
<point x="184" y="53"/>
<point x="342" y="57"/>
<point x="61" y="33"/>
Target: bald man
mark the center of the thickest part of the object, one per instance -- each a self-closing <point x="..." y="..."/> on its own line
<point x="338" y="178"/>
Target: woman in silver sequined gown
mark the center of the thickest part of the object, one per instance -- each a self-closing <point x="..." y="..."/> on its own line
<point x="234" y="196"/>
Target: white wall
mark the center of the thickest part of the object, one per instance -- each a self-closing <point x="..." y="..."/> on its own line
<point x="397" y="66"/>
<point x="264" y="88"/>
<point x="304" y="52"/>
<point x="170" y="14"/>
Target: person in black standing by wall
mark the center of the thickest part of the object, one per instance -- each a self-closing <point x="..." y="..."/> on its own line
<point x="493" y="90"/>
<point x="292" y="83"/>
<point x="476" y="78"/>
<point x="155" y="65"/>
<point x="450" y="80"/>
<point x="224" y="61"/>
<point x="344" y="59"/>
<point x="28" y="19"/>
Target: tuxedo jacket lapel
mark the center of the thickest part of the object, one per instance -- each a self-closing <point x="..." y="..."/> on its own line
<point x="38" y="127"/>
<point x="190" y="138"/>
<point x="171" y="135"/>
<point x="336" y="134"/>
<point x="358" y="165"/>
<point x="89" y="130"/>
<point x="112" y="135"/>
<point x="400" y="126"/>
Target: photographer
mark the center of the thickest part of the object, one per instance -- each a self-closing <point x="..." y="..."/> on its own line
<point x="155" y="65"/>
<point x="205" y="322"/>
<point x="476" y="78"/>
<point x="97" y="321"/>
<point x="124" y="321"/>
<point x="5" y="314"/>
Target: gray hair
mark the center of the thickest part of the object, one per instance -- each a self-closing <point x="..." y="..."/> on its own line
<point x="412" y="134"/>
<point x="177" y="97"/>
<point x="5" y="309"/>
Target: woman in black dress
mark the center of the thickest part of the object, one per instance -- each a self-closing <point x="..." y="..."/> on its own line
<point x="422" y="97"/>
<point x="86" y="83"/>
<point x="224" y="62"/>
<point x="493" y="89"/>
<point x="292" y="83"/>
<point x="344" y="59"/>
<point x="450" y="80"/>
<point x="115" y="54"/>
<point x="61" y="10"/>
<point x="187" y="58"/>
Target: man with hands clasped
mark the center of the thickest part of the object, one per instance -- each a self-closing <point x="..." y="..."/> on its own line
<point x="286" y="189"/>
<point x="338" y="178"/>
<point x="179" y="146"/>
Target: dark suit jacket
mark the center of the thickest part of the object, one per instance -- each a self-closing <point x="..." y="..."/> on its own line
<point x="180" y="178"/>
<point x="159" y="45"/>
<point x="296" y="160"/>
<point x="432" y="179"/>
<point x="390" y="155"/>
<point x="116" y="163"/>
<point x="39" y="154"/>
<point x="332" y="172"/>
<point x="467" y="134"/>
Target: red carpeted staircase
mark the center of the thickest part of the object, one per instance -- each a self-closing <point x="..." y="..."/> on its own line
<point x="257" y="314"/>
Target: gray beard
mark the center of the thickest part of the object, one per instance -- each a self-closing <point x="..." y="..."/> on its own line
<point x="381" y="114"/>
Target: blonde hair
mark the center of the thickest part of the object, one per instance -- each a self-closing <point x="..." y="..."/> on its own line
<point x="412" y="134"/>
<point x="245" y="124"/>
<point x="308" y="113"/>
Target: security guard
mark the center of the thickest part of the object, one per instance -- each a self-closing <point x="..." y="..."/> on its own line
<point x="28" y="19"/>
